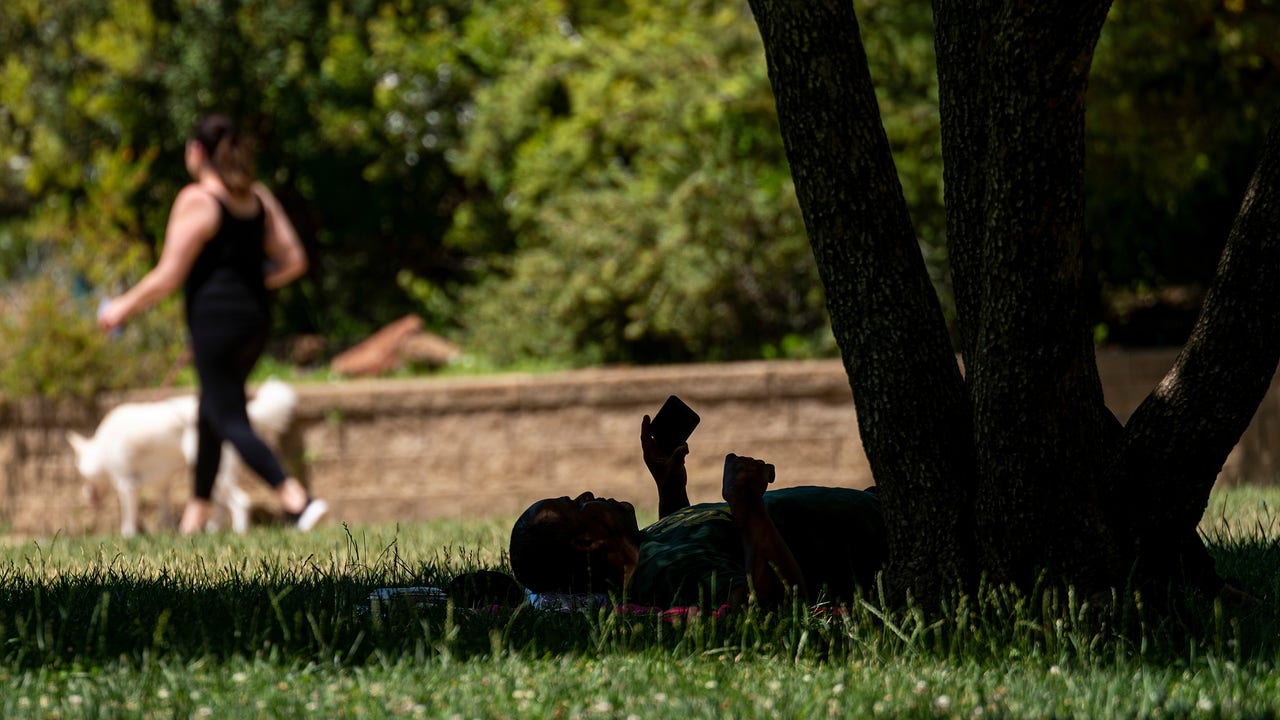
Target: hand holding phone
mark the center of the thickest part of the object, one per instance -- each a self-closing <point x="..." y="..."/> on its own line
<point x="673" y="425"/>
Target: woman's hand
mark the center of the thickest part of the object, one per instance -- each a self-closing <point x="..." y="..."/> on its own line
<point x="111" y="315"/>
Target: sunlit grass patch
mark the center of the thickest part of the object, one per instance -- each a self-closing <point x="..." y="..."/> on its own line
<point x="278" y="623"/>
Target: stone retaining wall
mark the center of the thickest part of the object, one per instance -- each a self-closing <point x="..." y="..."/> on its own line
<point x="453" y="447"/>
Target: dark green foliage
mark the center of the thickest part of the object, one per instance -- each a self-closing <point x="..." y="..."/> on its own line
<point x="1180" y="98"/>
<point x="50" y="346"/>
<point x="639" y="166"/>
<point x="564" y="181"/>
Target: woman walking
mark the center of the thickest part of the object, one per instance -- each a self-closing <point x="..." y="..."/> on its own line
<point x="228" y="243"/>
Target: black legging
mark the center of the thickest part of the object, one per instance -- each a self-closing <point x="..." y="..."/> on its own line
<point x="225" y="352"/>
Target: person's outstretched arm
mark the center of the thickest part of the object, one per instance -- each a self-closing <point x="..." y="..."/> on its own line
<point x="283" y="248"/>
<point x="668" y="472"/>
<point x="192" y="221"/>
<point x="768" y="561"/>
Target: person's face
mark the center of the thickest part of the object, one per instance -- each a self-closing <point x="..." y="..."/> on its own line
<point x="598" y="518"/>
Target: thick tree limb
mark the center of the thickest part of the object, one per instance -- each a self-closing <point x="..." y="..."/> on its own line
<point x="1177" y="440"/>
<point x="912" y="410"/>
<point x="1014" y="154"/>
<point x="962" y="37"/>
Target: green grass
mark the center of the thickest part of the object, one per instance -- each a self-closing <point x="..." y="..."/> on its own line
<point x="276" y="624"/>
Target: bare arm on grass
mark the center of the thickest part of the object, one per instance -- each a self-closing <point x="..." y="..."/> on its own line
<point x="769" y="564"/>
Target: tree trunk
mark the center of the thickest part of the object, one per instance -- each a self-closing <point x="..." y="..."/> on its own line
<point x="913" y="413"/>
<point x="1040" y="424"/>
<point x="1017" y="468"/>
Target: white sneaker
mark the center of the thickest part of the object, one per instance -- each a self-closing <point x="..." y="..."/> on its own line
<point x="311" y="514"/>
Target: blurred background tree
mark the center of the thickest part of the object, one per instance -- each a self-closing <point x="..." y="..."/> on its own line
<point x="558" y="182"/>
<point x="1181" y="95"/>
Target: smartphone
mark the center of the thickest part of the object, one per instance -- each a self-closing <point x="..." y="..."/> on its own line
<point x="673" y="424"/>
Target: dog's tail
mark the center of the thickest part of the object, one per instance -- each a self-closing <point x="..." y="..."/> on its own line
<point x="273" y="405"/>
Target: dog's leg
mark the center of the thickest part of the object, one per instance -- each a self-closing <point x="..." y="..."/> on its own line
<point x="238" y="506"/>
<point x="163" y="506"/>
<point x="127" y="492"/>
<point x="227" y="487"/>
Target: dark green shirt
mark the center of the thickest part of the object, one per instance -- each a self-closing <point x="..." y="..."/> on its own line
<point x="694" y="556"/>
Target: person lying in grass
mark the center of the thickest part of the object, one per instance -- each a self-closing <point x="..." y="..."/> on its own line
<point x="822" y="542"/>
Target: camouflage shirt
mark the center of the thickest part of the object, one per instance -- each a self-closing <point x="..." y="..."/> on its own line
<point x="694" y="556"/>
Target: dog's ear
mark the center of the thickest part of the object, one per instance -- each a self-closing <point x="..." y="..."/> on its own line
<point x="78" y="442"/>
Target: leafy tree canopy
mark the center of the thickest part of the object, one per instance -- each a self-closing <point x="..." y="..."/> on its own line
<point x="568" y="181"/>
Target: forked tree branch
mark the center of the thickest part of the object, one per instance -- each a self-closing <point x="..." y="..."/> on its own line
<point x="1179" y="437"/>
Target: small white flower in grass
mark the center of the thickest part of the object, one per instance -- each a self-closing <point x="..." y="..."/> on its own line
<point x="603" y="706"/>
<point x="75" y="700"/>
<point x="839" y="688"/>
<point x="978" y="711"/>
<point x="163" y="693"/>
<point x="522" y="694"/>
<point x="239" y="677"/>
<point x="1204" y="704"/>
<point x="1054" y="670"/>
<point x="660" y="697"/>
<point x="710" y="684"/>
<point x="774" y="686"/>
<point x="921" y="687"/>
<point x="942" y="703"/>
<point x="204" y="711"/>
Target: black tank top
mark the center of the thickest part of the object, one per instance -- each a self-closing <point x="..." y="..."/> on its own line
<point x="230" y="266"/>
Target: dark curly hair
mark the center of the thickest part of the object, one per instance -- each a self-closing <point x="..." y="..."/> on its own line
<point x="544" y="559"/>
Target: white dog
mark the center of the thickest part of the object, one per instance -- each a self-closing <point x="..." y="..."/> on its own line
<point x="149" y="442"/>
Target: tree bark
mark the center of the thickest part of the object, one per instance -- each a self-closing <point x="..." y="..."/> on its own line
<point x="1177" y="440"/>
<point x="913" y="414"/>
<point x="1041" y="429"/>
<point x="1017" y="468"/>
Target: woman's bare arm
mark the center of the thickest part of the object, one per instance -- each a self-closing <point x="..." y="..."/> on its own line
<point x="193" y="220"/>
<point x="283" y="248"/>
